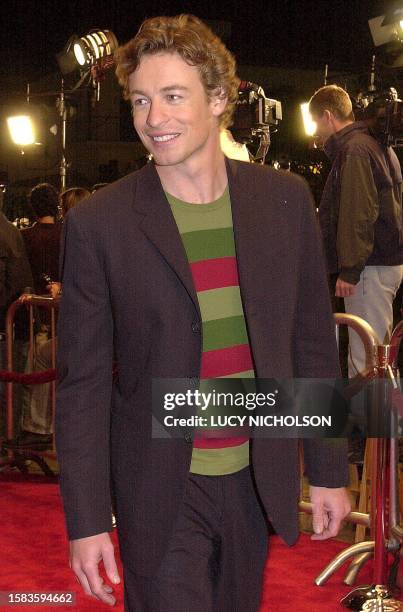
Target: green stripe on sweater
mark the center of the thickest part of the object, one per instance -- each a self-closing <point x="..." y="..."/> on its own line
<point x="220" y="303"/>
<point x="209" y="244"/>
<point x="221" y="333"/>
<point x="195" y="217"/>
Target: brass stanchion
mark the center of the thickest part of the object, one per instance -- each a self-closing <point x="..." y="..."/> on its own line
<point x="383" y="520"/>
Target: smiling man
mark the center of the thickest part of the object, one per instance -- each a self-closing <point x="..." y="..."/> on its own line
<point x="195" y="267"/>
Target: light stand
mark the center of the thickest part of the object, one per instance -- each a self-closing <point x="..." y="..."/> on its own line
<point x="92" y="54"/>
<point x="62" y="108"/>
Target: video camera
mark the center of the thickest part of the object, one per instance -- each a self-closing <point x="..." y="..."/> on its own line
<point x="255" y="118"/>
<point x="383" y="112"/>
<point x="254" y="112"/>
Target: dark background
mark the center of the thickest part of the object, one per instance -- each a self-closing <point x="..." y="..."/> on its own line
<point x="304" y="33"/>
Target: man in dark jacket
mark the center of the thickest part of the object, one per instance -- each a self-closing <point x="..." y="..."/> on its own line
<point x="193" y="267"/>
<point x="360" y="216"/>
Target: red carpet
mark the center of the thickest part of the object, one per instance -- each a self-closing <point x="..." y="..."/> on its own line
<point x="34" y="556"/>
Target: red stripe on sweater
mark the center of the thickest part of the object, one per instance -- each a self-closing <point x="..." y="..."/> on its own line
<point x="218" y="442"/>
<point x="215" y="273"/>
<point x="226" y="361"/>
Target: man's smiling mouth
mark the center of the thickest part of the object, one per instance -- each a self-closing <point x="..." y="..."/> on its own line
<point x="164" y="137"/>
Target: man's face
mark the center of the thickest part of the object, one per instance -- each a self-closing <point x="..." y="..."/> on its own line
<point x="324" y="125"/>
<point x="171" y="112"/>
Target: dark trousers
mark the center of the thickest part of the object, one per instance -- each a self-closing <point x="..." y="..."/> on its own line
<point x="216" y="555"/>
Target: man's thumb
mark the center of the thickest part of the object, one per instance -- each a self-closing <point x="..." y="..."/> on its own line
<point x="317" y="518"/>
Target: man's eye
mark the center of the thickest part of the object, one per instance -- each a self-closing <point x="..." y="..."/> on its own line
<point x="139" y="102"/>
<point x="174" y="97"/>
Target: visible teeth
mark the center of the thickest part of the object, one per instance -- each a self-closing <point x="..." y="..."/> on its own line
<point x="164" y="138"/>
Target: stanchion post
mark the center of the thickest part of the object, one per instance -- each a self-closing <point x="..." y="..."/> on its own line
<point x="380" y="474"/>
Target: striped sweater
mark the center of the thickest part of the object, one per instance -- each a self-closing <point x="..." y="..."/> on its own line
<point x="208" y="238"/>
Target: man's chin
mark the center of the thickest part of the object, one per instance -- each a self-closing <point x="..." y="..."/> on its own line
<point x="160" y="160"/>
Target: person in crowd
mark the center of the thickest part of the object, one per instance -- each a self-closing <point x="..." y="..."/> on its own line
<point x="37" y="418"/>
<point x="361" y="217"/>
<point x="72" y="196"/>
<point x="194" y="267"/>
<point x="15" y="276"/>
<point x="42" y="239"/>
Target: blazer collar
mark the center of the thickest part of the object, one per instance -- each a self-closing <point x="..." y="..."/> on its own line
<point x="159" y="225"/>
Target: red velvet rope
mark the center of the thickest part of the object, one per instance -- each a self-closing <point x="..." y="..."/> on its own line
<point x="36" y="378"/>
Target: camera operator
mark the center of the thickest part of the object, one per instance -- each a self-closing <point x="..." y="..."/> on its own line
<point x="361" y="217"/>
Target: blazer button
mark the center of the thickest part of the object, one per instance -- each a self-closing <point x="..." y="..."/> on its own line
<point x="188" y="438"/>
<point x="195" y="327"/>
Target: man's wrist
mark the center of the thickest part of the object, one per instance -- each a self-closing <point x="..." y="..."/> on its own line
<point x="350" y="275"/>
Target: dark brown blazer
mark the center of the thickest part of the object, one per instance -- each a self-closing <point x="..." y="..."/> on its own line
<point x="128" y="295"/>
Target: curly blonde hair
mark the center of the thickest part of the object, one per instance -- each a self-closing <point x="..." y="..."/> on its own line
<point x="196" y="44"/>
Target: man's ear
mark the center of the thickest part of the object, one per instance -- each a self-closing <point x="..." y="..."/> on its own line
<point x="218" y="101"/>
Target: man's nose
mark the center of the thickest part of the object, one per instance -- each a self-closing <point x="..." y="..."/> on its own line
<point x="156" y="114"/>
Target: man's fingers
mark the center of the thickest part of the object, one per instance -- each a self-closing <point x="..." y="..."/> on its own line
<point x="332" y="526"/>
<point x="330" y="532"/>
<point x="96" y="585"/>
<point x="82" y="579"/>
<point x="344" y="289"/>
<point x="329" y="507"/>
<point x="108" y="554"/>
<point x="320" y="536"/>
<point x="92" y="583"/>
<point x="106" y="587"/>
<point x="85" y="556"/>
<point x="317" y="518"/>
<point x="343" y="292"/>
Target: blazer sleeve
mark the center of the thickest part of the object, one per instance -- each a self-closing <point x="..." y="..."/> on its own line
<point x="85" y="353"/>
<point x="315" y="347"/>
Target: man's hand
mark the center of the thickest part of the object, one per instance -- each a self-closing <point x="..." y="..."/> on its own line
<point x="344" y="289"/>
<point x="54" y="289"/>
<point x="85" y="555"/>
<point x="329" y="508"/>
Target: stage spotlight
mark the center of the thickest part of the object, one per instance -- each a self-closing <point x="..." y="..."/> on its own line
<point x="22" y="130"/>
<point x="83" y="52"/>
<point x="387" y="33"/>
<point x="394" y="15"/>
<point x="309" y="123"/>
<point x="30" y="124"/>
<point x="94" y="46"/>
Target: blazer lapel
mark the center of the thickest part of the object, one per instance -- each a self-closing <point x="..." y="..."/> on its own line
<point x="160" y="227"/>
<point x="243" y="196"/>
